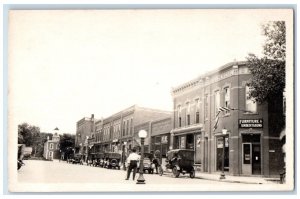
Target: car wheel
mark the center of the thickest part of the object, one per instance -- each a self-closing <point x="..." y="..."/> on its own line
<point x="192" y="174"/>
<point x="175" y="172"/>
<point x="161" y="172"/>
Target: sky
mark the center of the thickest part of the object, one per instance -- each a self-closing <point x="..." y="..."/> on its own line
<point x="66" y="65"/>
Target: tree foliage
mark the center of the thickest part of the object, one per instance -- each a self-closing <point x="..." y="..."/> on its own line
<point x="27" y="134"/>
<point x="67" y="143"/>
<point x="268" y="72"/>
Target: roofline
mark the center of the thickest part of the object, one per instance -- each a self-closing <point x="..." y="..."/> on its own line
<point x="210" y="73"/>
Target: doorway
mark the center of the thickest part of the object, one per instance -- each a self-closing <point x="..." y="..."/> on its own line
<point x="251" y="154"/>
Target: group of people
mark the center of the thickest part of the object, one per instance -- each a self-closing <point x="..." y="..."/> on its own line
<point x="133" y="160"/>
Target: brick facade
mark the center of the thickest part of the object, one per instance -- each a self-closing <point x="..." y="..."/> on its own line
<point x="196" y="104"/>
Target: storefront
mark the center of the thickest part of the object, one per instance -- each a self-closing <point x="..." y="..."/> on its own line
<point x="251" y="132"/>
<point x="161" y="143"/>
<point x="189" y="138"/>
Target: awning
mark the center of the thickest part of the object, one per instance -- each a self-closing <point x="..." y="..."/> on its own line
<point x="189" y="129"/>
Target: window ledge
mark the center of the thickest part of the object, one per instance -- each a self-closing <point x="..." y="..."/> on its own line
<point x="250" y="113"/>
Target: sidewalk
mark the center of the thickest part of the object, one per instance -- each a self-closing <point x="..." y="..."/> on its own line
<point x="237" y="179"/>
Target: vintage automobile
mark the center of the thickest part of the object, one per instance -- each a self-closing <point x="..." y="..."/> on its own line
<point x="112" y="160"/>
<point x="77" y="159"/>
<point x="20" y="155"/>
<point x="181" y="161"/>
<point x="148" y="165"/>
<point x="98" y="161"/>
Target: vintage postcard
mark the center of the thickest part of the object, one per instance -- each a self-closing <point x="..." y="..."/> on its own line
<point x="147" y="100"/>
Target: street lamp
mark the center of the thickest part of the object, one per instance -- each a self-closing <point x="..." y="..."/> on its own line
<point x="224" y="132"/>
<point x="142" y="135"/>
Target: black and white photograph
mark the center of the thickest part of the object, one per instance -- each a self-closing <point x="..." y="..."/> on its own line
<point x="150" y="100"/>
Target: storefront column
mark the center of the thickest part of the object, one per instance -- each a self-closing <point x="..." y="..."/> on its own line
<point x="171" y="141"/>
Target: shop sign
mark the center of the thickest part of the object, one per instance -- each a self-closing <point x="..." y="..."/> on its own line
<point x="164" y="139"/>
<point x="255" y="123"/>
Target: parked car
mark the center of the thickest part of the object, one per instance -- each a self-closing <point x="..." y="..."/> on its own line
<point x="77" y="159"/>
<point x="181" y="161"/>
<point x="20" y="162"/>
<point x="112" y="160"/>
<point x="148" y="165"/>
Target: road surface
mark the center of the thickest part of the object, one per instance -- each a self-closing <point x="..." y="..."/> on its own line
<point x="44" y="175"/>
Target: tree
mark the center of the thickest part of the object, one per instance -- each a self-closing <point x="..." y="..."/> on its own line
<point x="268" y="72"/>
<point x="66" y="144"/>
<point x="268" y="82"/>
<point x="27" y="133"/>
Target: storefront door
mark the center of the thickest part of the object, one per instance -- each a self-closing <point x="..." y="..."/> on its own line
<point x="256" y="163"/>
<point x="251" y="155"/>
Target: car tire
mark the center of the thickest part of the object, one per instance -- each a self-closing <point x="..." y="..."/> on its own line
<point x="192" y="174"/>
<point x="175" y="172"/>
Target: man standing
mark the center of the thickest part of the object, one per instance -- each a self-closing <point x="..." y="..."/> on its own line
<point x="132" y="162"/>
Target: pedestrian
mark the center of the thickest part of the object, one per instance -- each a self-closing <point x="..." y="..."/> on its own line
<point x="156" y="160"/>
<point x="132" y="162"/>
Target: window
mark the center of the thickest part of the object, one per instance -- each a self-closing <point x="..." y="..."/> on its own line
<point x="197" y="117"/>
<point x="123" y="128"/>
<point x="188" y="120"/>
<point x="206" y="106"/>
<point x="128" y="125"/>
<point x="188" y="108"/>
<point x="217" y="101"/>
<point x="131" y="130"/>
<point x="179" y="115"/>
<point x="227" y="98"/>
<point x="51" y="146"/>
<point x="251" y="105"/>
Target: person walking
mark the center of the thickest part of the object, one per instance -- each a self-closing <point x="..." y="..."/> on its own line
<point x="157" y="161"/>
<point x="132" y="162"/>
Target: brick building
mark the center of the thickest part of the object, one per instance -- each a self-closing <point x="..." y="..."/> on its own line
<point x="252" y="147"/>
<point x="119" y="132"/>
<point x="84" y="131"/>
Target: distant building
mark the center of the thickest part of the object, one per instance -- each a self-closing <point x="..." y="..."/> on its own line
<point x="119" y="132"/>
<point x="84" y="131"/>
<point x="51" y="148"/>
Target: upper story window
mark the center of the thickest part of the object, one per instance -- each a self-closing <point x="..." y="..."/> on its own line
<point x="217" y="101"/>
<point x="51" y="146"/>
<point x="197" y="115"/>
<point x="179" y="115"/>
<point x="251" y="105"/>
<point x="188" y="117"/>
<point x="227" y="98"/>
<point x="124" y="128"/>
<point x="206" y="106"/>
<point x="131" y="129"/>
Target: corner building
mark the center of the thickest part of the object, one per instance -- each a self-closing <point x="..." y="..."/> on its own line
<point x="252" y="147"/>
